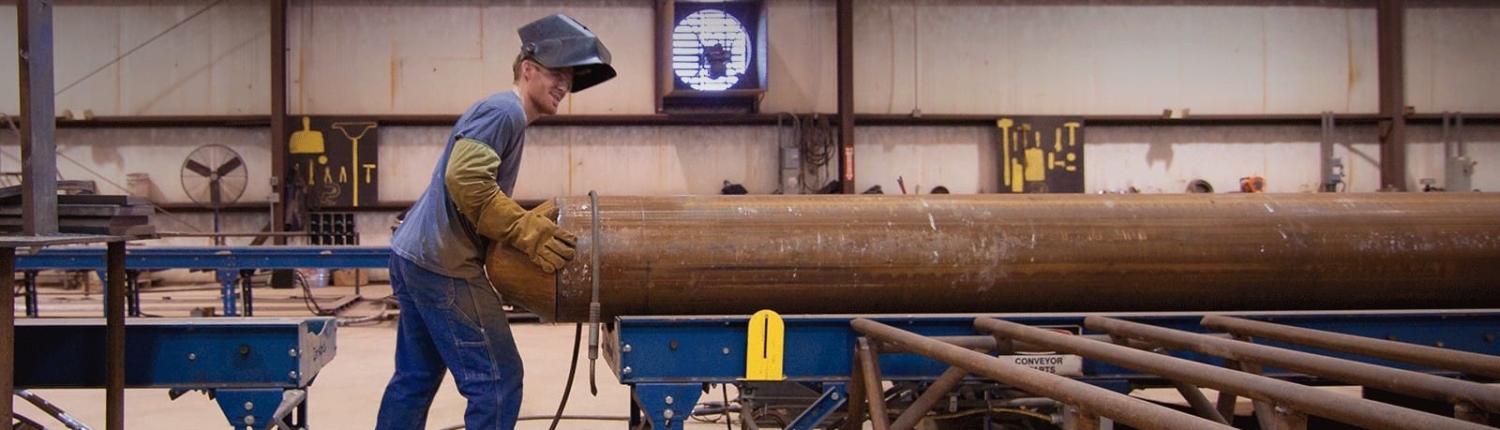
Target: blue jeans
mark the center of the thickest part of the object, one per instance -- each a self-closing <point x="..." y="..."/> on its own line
<point x="450" y="324"/>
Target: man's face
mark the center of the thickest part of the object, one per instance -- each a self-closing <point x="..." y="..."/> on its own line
<point x="546" y="88"/>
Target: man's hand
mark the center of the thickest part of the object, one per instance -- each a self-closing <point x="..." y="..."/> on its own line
<point x="535" y="233"/>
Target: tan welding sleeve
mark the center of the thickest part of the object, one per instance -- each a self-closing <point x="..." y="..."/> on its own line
<point x="470" y="178"/>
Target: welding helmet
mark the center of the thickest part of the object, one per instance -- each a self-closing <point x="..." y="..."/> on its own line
<point x="558" y="41"/>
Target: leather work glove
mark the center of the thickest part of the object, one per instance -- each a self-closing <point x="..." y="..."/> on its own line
<point x="533" y="232"/>
<point x="539" y="237"/>
<point x="470" y="178"/>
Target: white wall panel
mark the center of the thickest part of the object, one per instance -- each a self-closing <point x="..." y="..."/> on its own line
<point x="1453" y="59"/>
<point x="106" y="156"/>
<point x="438" y="57"/>
<point x="803" y="75"/>
<point x="345" y="61"/>
<point x="1165" y="159"/>
<point x="409" y="154"/>
<point x="1047" y="67"/>
<point x="86" y="38"/>
<point x="168" y="76"/>
<point x="240" y="79"/>
<point x="1223" y="64"/>
<point x="959" y="49"/>
<point x="960" y="158"/>
<point x="620" y="161"/>
<point x="1300" y="38"/>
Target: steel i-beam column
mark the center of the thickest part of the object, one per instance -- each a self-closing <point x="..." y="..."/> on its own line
<point x="38" y="151"/>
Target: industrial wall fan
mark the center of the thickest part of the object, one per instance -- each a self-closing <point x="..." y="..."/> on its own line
<point x="214" y="176"/>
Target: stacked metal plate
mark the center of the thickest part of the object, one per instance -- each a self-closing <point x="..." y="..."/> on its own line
<point x="87" y="214"/>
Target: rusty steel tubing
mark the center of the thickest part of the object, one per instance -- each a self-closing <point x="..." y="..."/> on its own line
<point x="1438" y="358"/>
<point x="1360" y="412"/>
<point x="866" y="254"/>
<point x="1411" y="383"/>
<point x="1129" y="410"/>
<point x="919" y="408"/>
<point x="869" y="366"/>
<point x="114" y="336"/>
<point x="7" y="332"/>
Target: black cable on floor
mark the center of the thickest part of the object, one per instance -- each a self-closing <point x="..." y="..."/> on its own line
<point x="572" y="369"/>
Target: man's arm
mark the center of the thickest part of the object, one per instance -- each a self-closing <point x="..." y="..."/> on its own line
<point x="470" y="179"/>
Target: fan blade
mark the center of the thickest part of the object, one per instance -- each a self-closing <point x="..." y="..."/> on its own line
<point x="229" y="166"/>
<point x="199" y="168"/>
<point x="213" y="192"/>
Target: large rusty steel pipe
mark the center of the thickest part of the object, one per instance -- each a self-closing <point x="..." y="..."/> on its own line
<point x="1017" y="253"/>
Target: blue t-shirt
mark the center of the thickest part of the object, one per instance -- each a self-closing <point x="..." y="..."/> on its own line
<point x="434" y="235"/>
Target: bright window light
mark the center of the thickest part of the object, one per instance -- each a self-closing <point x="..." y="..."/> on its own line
<point x="710" y="50"/>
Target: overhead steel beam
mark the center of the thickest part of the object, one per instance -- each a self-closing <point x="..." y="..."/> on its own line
<point x="845" y="12"/>
<point x="278" y="118"/>
<point x="1391" y="27"/>
<point x="38" y="122"/>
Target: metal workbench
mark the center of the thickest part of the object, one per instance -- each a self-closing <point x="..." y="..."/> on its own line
<point x="233" y="265"/>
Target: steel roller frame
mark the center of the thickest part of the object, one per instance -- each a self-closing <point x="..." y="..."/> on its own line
<point x="259" y="370"/>
<point x="668" y="362"/>
<point x="231" y="264"/>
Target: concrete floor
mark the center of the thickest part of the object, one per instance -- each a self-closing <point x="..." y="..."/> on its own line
<point x="347" y="392"/>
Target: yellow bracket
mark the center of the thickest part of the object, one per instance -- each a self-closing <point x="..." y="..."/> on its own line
<point x="765" y="347"/>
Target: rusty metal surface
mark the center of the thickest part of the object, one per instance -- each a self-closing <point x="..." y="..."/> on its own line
<point x="869" y="370"/>
<point x="7" y="331"/>
<point x="1407" y="382"/>
<point x="930" y="397"/>
<point x="1268" y="391"/>
<point x="1467" y="362"/>
<point x="114" y="337"/>
<point x="1125" y="409"/>
<point x="1020" y="253"/>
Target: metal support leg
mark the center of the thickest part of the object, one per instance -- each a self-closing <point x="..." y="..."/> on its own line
<point x="114" y="338"/>
<point x="258" y="407"/>
<point x="635" y="410"/>
<point x="226" y="280"/>
<point x="667" y="405"/>
<point x="833" y="397"/>
<point x="1078" y="419"/>
<point x="1227" y="399"/>
<point x="246" y="281"/>
<point x="133" y="293"/>
<point x="1199" y="402"/>
<point x="1470" y="413"/>
<point x="874" y="390"/>
<point x="935" y="393"/>
<point x="32" y="307"/>
<point x="7" y="332"/>
<point x="1272" y="416"/>
<point x="858" y="393"/>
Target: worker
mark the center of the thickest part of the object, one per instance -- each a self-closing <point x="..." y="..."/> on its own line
<point x="451" y="317"/>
